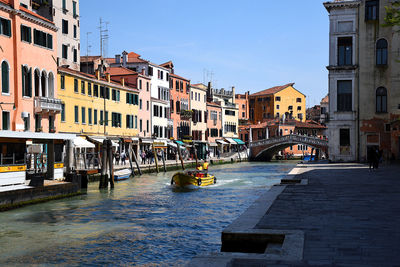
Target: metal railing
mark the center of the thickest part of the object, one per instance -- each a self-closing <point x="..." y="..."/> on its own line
<point x="47" y="103"/>
<point x="291" y="138"/>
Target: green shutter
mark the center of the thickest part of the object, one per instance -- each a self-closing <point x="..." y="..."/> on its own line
<point x="23" y="81"/>
<point x="49" y="41"/>
<point x="8" y="28"/>
<point x="4" y="78"/>
<point x="29" y="35"/>
<point x="30" y="82"/>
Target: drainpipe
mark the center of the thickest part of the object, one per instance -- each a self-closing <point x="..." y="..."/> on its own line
<point x="358" y="90"/>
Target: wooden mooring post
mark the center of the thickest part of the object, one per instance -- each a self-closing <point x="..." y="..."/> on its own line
<point x="136" y="161"/>
<point x="130" y="159"/>
<point x="163" y="159"/>
<point x="155" y="159"/>
<point x="111" y="163"/>
<point x="180" y="157"/>
<point x="104" y="178"/>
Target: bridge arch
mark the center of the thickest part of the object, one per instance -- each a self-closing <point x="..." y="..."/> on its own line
<point x="264" y="150"/>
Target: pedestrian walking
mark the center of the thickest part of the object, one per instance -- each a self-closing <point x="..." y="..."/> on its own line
<point x="143" y="156"/>
<point x="123" y="157"/>
<point x="117" y="158"/>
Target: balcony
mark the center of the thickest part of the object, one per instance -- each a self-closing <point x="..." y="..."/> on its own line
<point x="46" y="104"/>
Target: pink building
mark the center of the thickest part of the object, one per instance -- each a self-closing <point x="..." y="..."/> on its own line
<point x="142" y="83"/>
<point x="28" y="70"/>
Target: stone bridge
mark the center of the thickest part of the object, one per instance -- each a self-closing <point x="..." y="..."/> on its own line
<point x="264" y="150"/>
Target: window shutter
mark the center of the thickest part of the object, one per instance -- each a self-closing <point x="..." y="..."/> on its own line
<point x="23" y="81"/>
<point x="30" y="82"/>
<point x="8" y="33"/>
<point x="49" y="41"/>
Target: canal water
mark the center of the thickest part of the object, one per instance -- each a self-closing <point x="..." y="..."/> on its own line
<point x="143" y="221"/>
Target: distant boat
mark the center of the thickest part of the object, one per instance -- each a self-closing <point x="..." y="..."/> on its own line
<point x="122" y="174"/>
<point x="308" y="158"/>
<point x="192" y="178"/>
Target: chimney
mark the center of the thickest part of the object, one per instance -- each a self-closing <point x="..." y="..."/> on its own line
<point x="14" y="3"/>
<point x="233" y="94"/>
<point x="143" y="71"/>
<point x="124" y="58"/>
<point x="108" y="76"/>
<point x="123" y="81"/>
<point x="118" y="59"/>
<point x="209" y="92"/>
<point x="97" y="73"/>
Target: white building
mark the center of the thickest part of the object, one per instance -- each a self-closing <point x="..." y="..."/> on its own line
<point x="364" y="71"/>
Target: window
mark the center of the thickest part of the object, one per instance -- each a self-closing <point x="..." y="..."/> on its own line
<point x="65" y="51"/>
<point x="243" y="114"/>
<point x="277" y="106"/>
<point x="64" y="5"/>
<point x="101" y="117"/>
<point x="75" y="31"/>
<point x="95" y="117"/>
<point x="27" y="123"/>
<point x="148" y="105"/>
<point x="89" y="89"/>
<point x="65" y="26"/>
<point x="140" y="84"/>
<point x="298" y="100"/>
<point x="83" y="87"/>
<point x="140" y="103"/>
<point x="345" y="51"/>
<point x="140" y="125"/>
<point x="344" y="137"/>
<point x="147" y="86"/>
<point x="5" y="78"/>
<point x="290" y="107"/>
<point x="230" y="112"/>
<point x="5" y="27"/>
<point x="26" y="81"/>
<point x="116" y="119"/>
<point x="278" y="98"/>
<point x="381" y="52"/>
<point x="63" y="112"/>
<point x="75" y="55"/>
<point x="298" y="107"/>
<point x="381" y="100"/>
<point x="150" y="71"/>
<point x="74" y="11"/>
<point x="344" y="95"/>
<point x="6" y="120"/>
<point x="106" y="118"/>
<point x="96" y="90"/>
<point x="372" y="10"/>
<point x="90" y="116"/>
<point x="62" y="82"/>
<point x="76" y="109"/>
<point x="42" y="39"/>
<point x="83" y="110"/>
<point x="26" y="34"/>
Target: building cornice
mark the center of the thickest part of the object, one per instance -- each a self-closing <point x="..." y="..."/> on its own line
<point x="342" y="4"/>
<point x="350" y="67"/>
<point x="28" y="17"/>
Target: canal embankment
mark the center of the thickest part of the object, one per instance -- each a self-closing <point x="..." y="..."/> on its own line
<point x="320" y="214"/>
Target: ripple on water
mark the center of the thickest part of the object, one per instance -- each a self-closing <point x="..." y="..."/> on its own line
<point x="143" y="221"/>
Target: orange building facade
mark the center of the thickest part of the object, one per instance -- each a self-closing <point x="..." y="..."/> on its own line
<point x="179" y="103"/>
<point x="28" y="70"/>
<point x="243" y="103"/>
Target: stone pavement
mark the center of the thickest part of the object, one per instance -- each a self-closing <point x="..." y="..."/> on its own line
<point x="343" y="215"/>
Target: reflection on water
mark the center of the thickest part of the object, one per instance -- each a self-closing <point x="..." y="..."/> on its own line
<point x="143" y="221"/>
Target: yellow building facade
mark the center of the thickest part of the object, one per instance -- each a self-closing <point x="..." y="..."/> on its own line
<point x="95" y="106"/>
<point x="277" y="102"/>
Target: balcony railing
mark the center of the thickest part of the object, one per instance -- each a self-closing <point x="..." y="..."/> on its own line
<point x="46" y="104"/>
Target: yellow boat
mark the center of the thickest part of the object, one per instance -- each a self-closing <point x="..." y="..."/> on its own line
<point x="192" y="178"/>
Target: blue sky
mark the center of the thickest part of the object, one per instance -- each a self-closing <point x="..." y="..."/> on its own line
<point x="252" y="45"/>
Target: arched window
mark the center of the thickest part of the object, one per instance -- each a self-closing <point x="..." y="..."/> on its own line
<point x="5" y="78"/>
<point x="381" y="52"/>
<point x="381" y="100"/>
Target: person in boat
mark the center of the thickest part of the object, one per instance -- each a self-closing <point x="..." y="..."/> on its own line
<point x="199" y="167"/>
<point x="205" y="166"/>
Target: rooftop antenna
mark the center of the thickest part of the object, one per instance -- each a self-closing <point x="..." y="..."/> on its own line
<point x="103" y="37"/>
<point x="87" y="51"/>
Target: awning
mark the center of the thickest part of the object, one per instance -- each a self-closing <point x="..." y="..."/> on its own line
<point x="172" y="144"/>
<point x="230" y="141"/>
<point x="100" y="140"/>
<point x="146" y="141"/>
<point x="33" y="135"/>
<point x="180" y="142"/>
<point x="159" y="143"/>
<point x="222" y="142"/>
<point x="79" y="142"/>
<point x="135" y="139"/>
<point x="212" y="144"/>
<point x="238" y="141"/>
